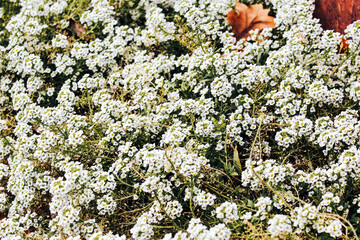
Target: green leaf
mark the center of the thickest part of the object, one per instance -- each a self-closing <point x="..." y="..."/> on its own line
<point x="250" y="203"/>
<point x="237" y="160"/>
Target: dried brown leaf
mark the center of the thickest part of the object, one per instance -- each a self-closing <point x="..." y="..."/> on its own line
<point x="343" y="46"/>
<point x="77" y="27"/>
<point x="244" y="19"/>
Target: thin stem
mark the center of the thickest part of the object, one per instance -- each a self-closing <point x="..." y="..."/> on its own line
<point x="126" y="184"/>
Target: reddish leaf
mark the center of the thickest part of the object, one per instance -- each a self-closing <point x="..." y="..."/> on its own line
<point x="337" y="14"/>
<point x="29" y="231"/>
<point x="343" y="46"/>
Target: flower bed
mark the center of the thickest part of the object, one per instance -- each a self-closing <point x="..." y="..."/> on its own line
<point x="129" y="119"/>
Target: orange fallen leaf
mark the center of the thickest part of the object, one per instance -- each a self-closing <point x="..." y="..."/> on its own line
<point x="244" y="19"/>
<point x="29" y="231"/>
<point x="343" y="46"/>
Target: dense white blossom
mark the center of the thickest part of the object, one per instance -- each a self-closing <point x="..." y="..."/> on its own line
<point x="155" y="123"/>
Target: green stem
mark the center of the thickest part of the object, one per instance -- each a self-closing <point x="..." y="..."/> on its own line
<point x="257" y="175"/>
<point x="216" y="191"/>
<point x="89" y="103"/>
<point x="163" y="209"/>
<point x="193" y="126"/>
<point x="124" y="198"/>
<point x="191" y="197"/>
<point x="126" y="184"/>
<point x="135" y="210"/>
<point x="6" y="140"/>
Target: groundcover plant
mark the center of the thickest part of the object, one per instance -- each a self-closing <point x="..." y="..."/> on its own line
<point x="147" y="119"/>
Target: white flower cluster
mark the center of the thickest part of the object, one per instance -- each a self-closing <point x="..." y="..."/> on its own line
<point x="279" y="224"/>
<point x="228" y="212"/>
<point x="200" y="197"/>
<point x="196" y="230"/>
<point x="150" y="121"/>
